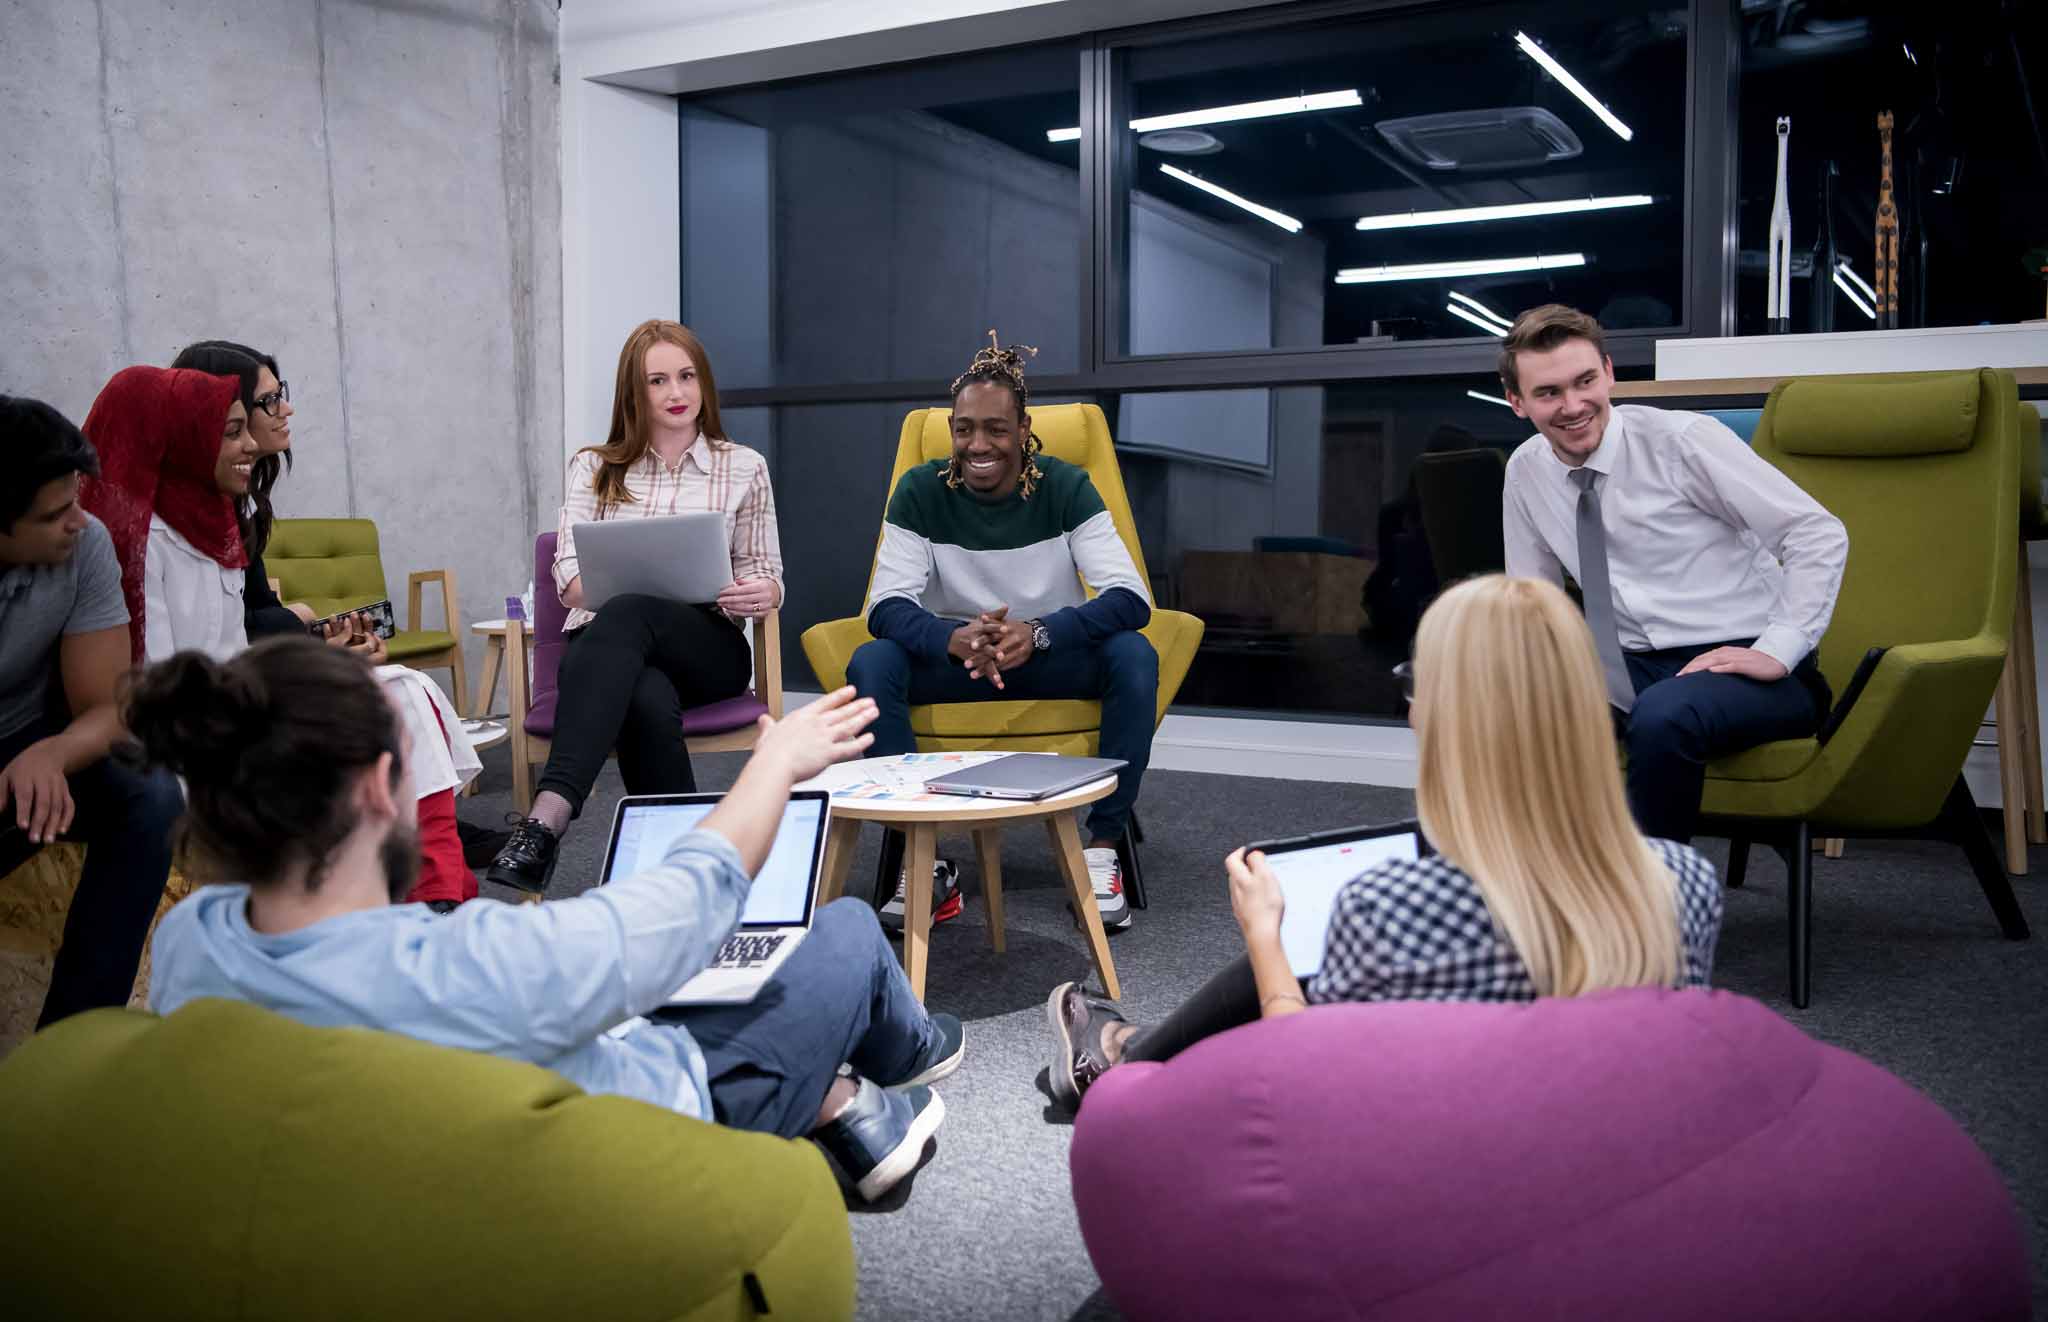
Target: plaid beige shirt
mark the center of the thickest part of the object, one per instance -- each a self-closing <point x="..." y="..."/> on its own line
<point x="728" y="478"/>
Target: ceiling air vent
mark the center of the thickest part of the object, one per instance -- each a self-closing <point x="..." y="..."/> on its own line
<point x="1510" y="138"/>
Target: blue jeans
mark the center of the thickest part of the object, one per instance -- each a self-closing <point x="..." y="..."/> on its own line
<point x="1679" y="725"/>
<point x="840" y="998"/>
<point x="124" y="819"/>
<point x="1122" y="671"/>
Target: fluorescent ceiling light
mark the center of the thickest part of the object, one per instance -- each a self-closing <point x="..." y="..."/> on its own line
<point x="1843" y="269"/>
<point x="1280" y="218"/>
<point x="1402" y="220"/>
<point x="1483" y="310"/>
<point x="1286" y="105"/>
<point x="1473" y="317"/>
<point x="1372" y="275"/>
<point x="1573" y="85"/>
<point x="1490" y="399"/>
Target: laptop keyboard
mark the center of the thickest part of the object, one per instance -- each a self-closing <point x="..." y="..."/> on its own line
<point x="748" y="951"/>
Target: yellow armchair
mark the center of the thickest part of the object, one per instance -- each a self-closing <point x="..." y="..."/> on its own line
<point x="1078" y="434"/>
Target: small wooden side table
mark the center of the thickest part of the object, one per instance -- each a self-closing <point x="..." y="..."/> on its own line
<point x="921" y="819"/>
<point x="493" y="634"/>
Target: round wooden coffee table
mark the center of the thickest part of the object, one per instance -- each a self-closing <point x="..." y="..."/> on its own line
<point x="922" y="818"/>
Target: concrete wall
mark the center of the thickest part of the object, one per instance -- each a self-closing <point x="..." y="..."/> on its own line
<point x="369" y="189"/>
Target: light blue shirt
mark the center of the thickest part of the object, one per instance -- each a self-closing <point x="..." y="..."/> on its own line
<point x="560" y="984"/>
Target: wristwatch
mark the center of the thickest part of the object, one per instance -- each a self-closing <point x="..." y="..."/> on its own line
<point x="1041" y="637"/>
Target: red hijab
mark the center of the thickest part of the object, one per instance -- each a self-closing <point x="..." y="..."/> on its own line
<point x="158" y="434"/>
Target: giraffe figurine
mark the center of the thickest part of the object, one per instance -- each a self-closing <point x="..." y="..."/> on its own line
<point x="1887" y="273"/>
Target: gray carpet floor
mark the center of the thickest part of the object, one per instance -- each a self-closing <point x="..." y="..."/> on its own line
<point x="1909" y="971"/>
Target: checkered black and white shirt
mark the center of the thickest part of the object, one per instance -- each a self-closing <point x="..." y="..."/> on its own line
<point x="1418" y="930"/>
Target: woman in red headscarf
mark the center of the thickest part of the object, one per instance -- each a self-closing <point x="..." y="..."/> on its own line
<point x="176" y="458"/>
<point x="175" y="455"/>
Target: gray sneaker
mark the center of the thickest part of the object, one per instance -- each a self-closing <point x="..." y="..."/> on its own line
<point x="945" y="897"/>
<point x="1078" y="1022"/>
<point x="878" y="1140"/>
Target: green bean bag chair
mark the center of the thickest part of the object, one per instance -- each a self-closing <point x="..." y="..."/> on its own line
<point x="227" y="1162"/>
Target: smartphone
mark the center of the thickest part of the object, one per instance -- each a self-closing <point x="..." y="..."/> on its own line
<point x="383" y="621"/>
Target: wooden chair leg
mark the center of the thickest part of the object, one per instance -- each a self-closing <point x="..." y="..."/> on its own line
<point x="494" y="649"/>
<point x="988" y="851"/>
<point x="461" y="669"/>
<point x="1831" y="847"/>
<point x="1066" y="848"/>
<point x="2007" y="709"/>
<point x="1799" y="912"/>
<point x="917" y="903"/>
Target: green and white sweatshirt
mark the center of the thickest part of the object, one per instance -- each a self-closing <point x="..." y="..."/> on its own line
<point x="947" y="555"/>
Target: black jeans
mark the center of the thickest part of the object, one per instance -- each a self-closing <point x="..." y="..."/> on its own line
<point x="124" y="820"/>
<point x="626" y="679"/>
<point x="1228" y="1000"/>
<point x="1677" y="726"/>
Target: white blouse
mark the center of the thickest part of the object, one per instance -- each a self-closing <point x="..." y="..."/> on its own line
<point x="190" y="603"/>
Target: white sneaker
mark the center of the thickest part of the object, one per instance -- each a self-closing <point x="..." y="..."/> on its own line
<point x="1107" y="876"/>
<point x="945" y="897"/>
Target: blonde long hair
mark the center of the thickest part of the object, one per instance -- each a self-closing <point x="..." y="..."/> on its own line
<point x="1519" y="787"/>
<point x="626" y="444"/>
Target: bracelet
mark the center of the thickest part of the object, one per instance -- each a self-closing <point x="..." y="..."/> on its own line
<point x="1296" y="997"/>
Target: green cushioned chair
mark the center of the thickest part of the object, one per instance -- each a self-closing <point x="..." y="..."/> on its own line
<point x="1921" y="468"/>
<point x="226" y="1162"/>
<point x="333" y="565"/>
<point x="1077" y="434"/>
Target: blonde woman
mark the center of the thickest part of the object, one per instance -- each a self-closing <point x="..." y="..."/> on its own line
<point x="633" y="665"/>
<point x="1541" y="885"/>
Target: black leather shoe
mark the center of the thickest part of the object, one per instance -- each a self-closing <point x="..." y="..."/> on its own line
<point x="528" y="858"/>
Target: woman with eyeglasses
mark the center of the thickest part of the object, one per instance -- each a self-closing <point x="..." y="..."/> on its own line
<point x="445" y="759"/>
<point x="1541" y="884"/>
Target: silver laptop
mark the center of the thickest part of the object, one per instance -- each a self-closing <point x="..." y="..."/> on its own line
<point x="683" y="557"/>
<point x="1312" y="870"/>
<point x="1025" y="776"/>
<point x="779" y="907"/>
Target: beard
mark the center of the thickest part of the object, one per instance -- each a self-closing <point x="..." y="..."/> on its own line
<point x="400" y="856"/>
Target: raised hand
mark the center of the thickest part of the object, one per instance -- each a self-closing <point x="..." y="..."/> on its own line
<point x="817" y="734"/>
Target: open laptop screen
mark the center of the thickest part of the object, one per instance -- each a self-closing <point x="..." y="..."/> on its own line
<point x="782" y="893"/>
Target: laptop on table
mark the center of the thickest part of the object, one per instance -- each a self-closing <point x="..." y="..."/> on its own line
<point x="779" y="908"/>
<point x="1026" y="776"/>
<point x="1312" y="870"/>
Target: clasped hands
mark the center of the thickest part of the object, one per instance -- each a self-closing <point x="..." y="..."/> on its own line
<point x="991" y="643"/>
<point x="750" y="598"/>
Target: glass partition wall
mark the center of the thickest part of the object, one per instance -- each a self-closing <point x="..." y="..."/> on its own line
<point x="1276" y="248"/>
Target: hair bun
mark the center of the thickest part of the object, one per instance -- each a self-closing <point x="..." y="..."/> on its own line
<point x="195" y="716"/>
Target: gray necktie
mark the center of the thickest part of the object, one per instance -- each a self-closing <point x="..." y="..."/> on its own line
<point x="1599" y="592"/>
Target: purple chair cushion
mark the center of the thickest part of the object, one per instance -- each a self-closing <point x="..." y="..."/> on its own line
<point x="1677" y="1155"/>
<point x="548" y="617"/>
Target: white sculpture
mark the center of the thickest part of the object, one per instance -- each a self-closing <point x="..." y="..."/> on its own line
<point x="1778" y="304"/>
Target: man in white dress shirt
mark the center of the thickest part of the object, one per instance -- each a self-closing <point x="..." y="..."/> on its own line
<point x="1708" y="575"/>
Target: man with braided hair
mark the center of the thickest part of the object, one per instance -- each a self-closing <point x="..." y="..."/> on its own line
<point x="977" y="597"/>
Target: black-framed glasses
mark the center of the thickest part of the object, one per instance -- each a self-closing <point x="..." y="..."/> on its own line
<point x="1405" y="672"/>
<point x="276" y="399"/>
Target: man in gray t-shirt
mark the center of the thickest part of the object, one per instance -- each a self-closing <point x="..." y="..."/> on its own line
<point x="63" y="649"/>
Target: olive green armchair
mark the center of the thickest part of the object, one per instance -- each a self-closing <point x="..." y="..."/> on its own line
<point x="1921" y="468"/>
<point x="333" y="565"/>
<point x="225" y="1162"/>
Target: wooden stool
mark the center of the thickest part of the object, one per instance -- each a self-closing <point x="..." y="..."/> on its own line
<point x="921" y="819"/>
